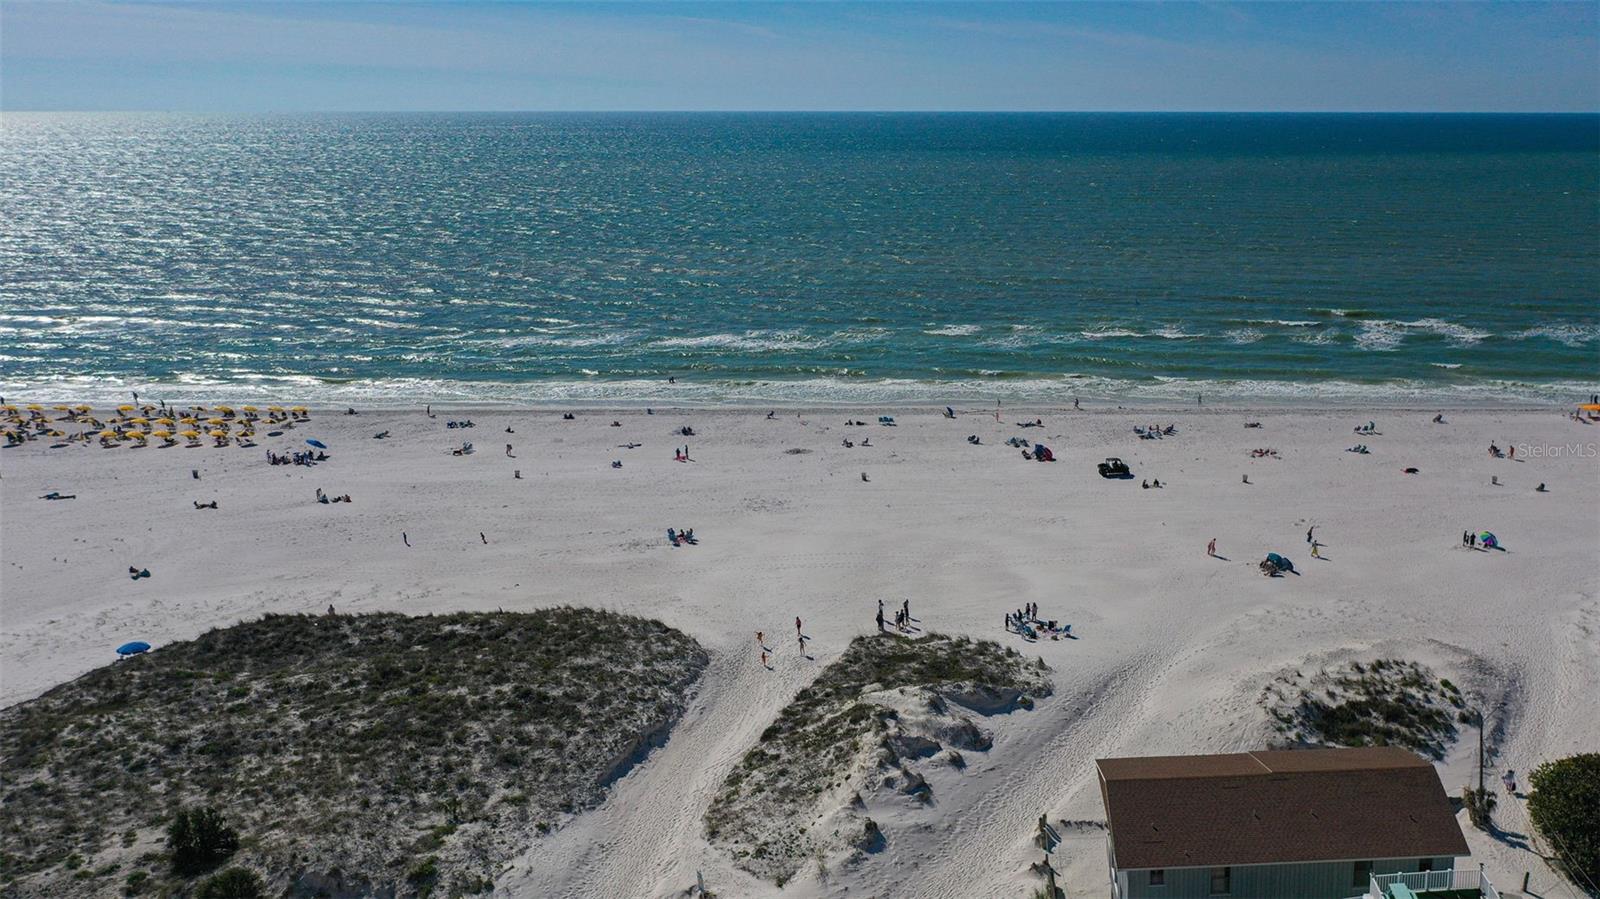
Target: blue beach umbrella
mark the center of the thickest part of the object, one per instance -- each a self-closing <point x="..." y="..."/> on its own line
<point x="317" y="443"/>
<point x="133" y="649"/>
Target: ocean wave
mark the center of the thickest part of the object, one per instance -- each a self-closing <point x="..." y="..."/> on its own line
<point x="1243" y="335"/>
<point x="1387" y="334"/>
<point x="1173" y="332"/>
<point x="1106" y="333"/>
<point x="1570" y="335"/>
<point x="955" y="331"/>
<point x="749" y="341"/>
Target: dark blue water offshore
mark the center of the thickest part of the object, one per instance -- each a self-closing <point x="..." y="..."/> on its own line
<point x="803" y="257"/>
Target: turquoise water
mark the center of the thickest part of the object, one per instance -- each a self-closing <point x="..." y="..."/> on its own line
<point x="803" y="258"/>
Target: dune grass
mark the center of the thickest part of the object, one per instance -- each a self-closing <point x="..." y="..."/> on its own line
<point x="765" y="812"/>
<point x="351" y="753"/>
<point x="1384" y="702"/>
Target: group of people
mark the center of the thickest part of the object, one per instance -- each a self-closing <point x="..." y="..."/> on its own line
<point x="1509" y="452"/>
<point x="305" y="458"/>
<point x="799" y="636"/>
<point x="681" y="454"/>
<point x="1371" y="427"/>
<point x="681" y="538"/>
<point x="460" y="424"/>
<point x="1027" y="623"/>
<point x="325" y="498"/>
<point x="1156" y="483"/>
<point x="1155" y="432"/>
<point x="902" y="616"/>
<point x="1264" y="453"/>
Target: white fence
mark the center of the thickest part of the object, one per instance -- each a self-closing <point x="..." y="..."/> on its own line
<point x="1431" y="881"/>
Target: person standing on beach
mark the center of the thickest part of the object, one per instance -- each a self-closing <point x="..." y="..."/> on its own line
<point x="404" y="539"/>
<point x="880" y="614"/>
<point x="483" y="538"/>
<point x="761" y="639"/>
<point x="1314" y="553"/>
<point x="508" y="451"/>
<point x="797" y="632"/>
<point x="1211" y="548"/>
<point x="1309" y="538"/>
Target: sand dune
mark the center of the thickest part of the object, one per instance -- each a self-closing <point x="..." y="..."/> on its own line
<point x="1174" y="646"/>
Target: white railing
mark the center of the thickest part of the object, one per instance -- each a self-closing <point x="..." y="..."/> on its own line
<point x="1432" y="881"/>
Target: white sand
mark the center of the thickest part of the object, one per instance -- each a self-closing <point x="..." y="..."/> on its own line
<point x="1175" y="646"/>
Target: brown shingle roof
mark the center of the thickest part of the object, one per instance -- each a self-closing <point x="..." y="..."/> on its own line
<point x="1276" y="806"/>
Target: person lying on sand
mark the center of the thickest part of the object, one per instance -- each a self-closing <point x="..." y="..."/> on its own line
<point x="54" y="494"/>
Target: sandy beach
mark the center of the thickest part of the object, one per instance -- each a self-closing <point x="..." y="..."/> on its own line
<point x="1173" y="646"/>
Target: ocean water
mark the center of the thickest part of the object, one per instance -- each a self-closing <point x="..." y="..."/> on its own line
<point x="772" y="258"/>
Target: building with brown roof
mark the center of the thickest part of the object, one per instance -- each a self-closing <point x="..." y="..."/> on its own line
<point x="1318" y="824"/>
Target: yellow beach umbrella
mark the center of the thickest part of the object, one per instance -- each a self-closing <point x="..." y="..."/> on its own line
<point x="61" y="408"/>
<point x="187" y="419"/>
<point x="140" y="421"/>
<point x="190" y="434"/>
<point x="250" y="409"/>
<point x="274" y="408"/>
<point x="1590" y="407"/>
<point x="219" y="434"/>
<point x="112" y="435"/>
<point x="297" y="409"/>
<point x="83" y="407"/>
<point x="215" y="421"/>
<point x="164" y="421"/>
<point x="35" y="407"/>
<point x="8" y="408"/>
<point x="164" y="435"/>
<point x="125" y="408"/>
<point x="135" y="435"/>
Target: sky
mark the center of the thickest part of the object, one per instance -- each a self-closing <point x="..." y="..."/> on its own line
<point x="283" y="56"/>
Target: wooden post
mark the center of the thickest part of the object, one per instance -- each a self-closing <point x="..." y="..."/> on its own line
<point x="1480" y="753"/>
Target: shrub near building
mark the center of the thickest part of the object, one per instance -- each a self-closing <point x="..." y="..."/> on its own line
<point x="1565" y="807"/>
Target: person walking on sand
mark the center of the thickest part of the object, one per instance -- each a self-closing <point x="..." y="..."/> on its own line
<point x="1309" y="538"/>
<point x="483" y="538"/>
<point x="1211" y="548"/>
<point x="508" y="452"/>
<point x="404" y="539"/>
<point x="1314" y="553"/>
<point x="797" y="632"/>
<point x="764" y="659"/>
<point x="761" y="639"/>
<point x="880" y="616"/>
<point x="1509" y="780"/>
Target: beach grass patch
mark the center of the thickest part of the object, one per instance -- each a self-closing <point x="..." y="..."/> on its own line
<point x="1384" y="702"/>
<point x="864" y="724"/>
<point x="339" y="754"/>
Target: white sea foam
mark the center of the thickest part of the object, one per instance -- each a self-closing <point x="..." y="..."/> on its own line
<point x="1570" y="335"/>
<point x="1386" y="334"/>
<point x="749" y="341"/>
<point x="955" y="330"/>
<point x="1174" y="332"/>
<point x="1105" y="333"/>
<point x="819" y="391"/>
<point x="1243" y="335"/>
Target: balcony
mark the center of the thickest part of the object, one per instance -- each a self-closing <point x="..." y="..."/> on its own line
<point x="1450" y="884"/>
